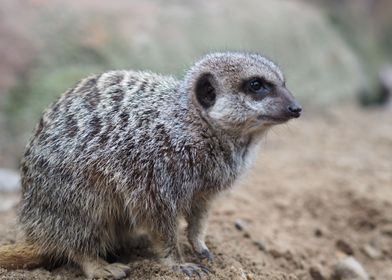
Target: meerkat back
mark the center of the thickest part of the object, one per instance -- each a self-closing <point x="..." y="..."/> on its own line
<point x="82" y="148"/>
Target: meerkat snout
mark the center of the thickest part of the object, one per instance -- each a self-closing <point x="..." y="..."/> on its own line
<point x="295" y="109"/>
<point x="290" y="107"/>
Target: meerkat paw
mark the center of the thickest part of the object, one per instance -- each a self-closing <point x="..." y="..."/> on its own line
<point x="101" y="270"/>
<point x="190" y="269"/>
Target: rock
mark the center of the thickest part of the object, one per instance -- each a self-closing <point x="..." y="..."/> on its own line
<point x="9" y="180"/>
<point x="240" y="224"/>
<point x="349" y="269"/>
<point x="317" y="273"/>
<point x="260" y="245"/>
<point x="371" y="252"/>
<point x="345" y="247"/>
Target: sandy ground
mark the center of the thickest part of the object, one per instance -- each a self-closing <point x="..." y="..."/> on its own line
<point x="320" y="189"/>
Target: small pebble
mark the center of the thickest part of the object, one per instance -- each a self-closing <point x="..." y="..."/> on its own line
<point x="260" y="244"/>
<point x="279" y="254"/>
<point x="317" y="273"/>
<point x="288" y="255"/>
<point x="345" y="247"/>
<point x="371" y="252"/>
<point x="349" y="269"/>
<point x="318" y="232"/>
<point x="240" y="224"/>
<point x="275" y="253"/>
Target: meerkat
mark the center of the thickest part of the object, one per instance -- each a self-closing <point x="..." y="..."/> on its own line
<point x="125" y="151"/>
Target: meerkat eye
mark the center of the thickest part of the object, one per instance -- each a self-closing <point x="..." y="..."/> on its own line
<point x="259" y="86"/>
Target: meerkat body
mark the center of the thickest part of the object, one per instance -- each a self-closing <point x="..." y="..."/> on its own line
<point x="126" y="150"/>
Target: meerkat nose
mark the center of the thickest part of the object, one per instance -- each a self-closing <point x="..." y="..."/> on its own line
<point x="295" y="109"/>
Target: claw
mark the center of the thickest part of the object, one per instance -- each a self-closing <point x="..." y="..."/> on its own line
<point x="204" y="269"/>
<point x="207" y="255"/>
<point x="197" y="272"/>
<point x="190" y="269"/>
<point x="187" y="271"/>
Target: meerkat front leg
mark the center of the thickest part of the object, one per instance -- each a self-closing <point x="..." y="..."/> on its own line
<point x="166" y="245"/>
<point x="197" y="227"/>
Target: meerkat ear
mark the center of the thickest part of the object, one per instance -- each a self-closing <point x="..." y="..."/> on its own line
<point x="205" y="90"/>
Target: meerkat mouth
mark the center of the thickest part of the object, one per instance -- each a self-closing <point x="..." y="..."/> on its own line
<point x="273" y="119"/>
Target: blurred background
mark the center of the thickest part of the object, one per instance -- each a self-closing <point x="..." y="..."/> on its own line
<point x="331" y="50"/>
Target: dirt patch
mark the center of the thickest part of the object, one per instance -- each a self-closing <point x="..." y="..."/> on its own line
<point x="321" y="188"/>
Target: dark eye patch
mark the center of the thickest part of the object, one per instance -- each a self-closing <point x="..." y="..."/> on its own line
<point x="258" y="86"/>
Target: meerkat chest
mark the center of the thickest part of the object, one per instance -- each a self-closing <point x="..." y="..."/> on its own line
<point x="246" y="156"/>
<point x="233" y="163"/>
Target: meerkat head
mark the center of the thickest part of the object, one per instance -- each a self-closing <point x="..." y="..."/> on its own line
<point x="240" y="91"/>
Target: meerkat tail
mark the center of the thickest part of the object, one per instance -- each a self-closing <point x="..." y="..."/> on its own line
<point x="20" y="255"/>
